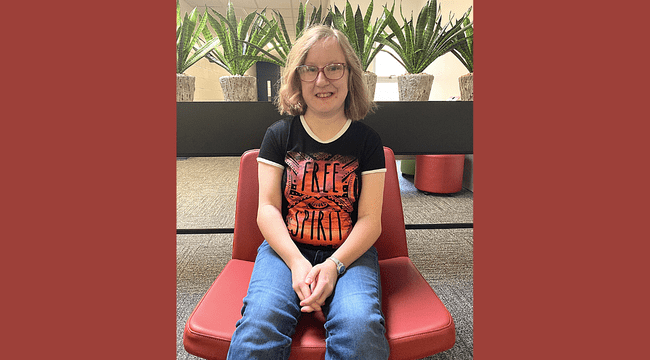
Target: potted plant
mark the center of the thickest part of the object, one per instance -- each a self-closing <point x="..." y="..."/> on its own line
<point x="237" y="53"/>
<point x="419" y="44"/>
<point x="281" y="42"/>
<point x="189" y="49"/>
<point x="363" y="36"/>
<point x="465" y="53"/>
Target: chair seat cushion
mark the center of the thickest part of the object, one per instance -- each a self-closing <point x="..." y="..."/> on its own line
<point x="418" y="324"/>
<point x="210" y="326"/>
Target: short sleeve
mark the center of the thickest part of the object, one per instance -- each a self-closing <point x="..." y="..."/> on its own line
<point x="373" y="153"/>
<point x="273" y="147"/>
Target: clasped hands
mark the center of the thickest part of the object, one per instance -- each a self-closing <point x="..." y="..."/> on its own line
<point x="313" y="284"/>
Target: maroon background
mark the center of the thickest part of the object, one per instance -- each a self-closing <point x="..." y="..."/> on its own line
<point x="88" y="258"/>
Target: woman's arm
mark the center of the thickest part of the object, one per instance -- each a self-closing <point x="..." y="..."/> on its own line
<point x="364" y="234"/>
<point x="367" y="229"/>
<point x="274" y="230"/>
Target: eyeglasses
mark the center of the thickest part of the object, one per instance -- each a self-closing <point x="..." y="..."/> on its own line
<point x="309" y="73"/>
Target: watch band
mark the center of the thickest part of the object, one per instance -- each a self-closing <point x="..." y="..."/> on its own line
<point x="340" y="268"/>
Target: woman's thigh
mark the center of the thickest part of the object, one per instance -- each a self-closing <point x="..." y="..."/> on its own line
<point x="270" y="311"/>
<point x="270" y="289"/>
<point x="361" y="280"/>
<point x="355" y="324"/>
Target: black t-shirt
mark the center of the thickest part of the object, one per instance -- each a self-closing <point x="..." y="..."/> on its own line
<point x="322" y="179"/>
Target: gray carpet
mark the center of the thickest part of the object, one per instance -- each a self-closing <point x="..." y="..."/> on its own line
<point x="206" y="190"/>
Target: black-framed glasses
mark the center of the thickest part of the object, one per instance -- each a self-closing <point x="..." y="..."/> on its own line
<point x="309" y="73"/>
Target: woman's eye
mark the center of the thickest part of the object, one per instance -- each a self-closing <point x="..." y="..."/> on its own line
<point x="311" y="69"/>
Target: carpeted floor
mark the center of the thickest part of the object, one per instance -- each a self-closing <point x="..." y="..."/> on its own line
<point x="206" y="190"/>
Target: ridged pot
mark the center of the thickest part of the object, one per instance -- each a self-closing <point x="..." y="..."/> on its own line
<point x="185" y="87"/>
<point x="414" y="87"/>
<point x="239" y="88"/>
<point x="371" y="82"/>
<point x="466" y="84"/>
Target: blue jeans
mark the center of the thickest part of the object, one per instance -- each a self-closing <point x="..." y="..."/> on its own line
<point x="355" y="324"/>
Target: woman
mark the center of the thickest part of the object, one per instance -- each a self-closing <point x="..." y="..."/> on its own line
<point x="321" y="180"/>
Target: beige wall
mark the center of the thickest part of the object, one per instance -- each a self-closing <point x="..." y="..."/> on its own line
<point x="445" y="69"/>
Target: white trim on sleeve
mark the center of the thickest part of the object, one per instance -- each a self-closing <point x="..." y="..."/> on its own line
<point x="383" y="170"/>
<point x="269" y="162"/>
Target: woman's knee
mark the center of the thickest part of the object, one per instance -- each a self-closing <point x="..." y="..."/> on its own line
<point x="357" y="335"/>
<point x="360" y="320"/>
<point x="264" y="328"/>
<point x="267" y="306"/>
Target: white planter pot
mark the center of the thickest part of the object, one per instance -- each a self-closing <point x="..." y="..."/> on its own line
<point x="371" y="82"/>
<point x="185" y="87"/>
<point x="466" y="84"/>
<point x="239" y="88"/>
<point x="414" y="87"/>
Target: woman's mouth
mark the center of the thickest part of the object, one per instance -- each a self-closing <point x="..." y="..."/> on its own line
<point x="324" y="95"/>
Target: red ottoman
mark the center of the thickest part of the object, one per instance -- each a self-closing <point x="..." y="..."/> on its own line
<point x="441" y="174"/>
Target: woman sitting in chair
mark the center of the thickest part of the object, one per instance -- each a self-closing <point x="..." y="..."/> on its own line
<point x="321" y="181"/>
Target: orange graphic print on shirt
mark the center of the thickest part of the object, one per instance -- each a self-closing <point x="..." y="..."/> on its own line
<point x="321" y="190"/>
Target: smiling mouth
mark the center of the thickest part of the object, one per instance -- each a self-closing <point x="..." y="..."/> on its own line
<point x="324" y="95"/>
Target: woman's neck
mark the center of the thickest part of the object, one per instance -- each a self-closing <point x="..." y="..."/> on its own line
<point x="325" y="120"/>
<point x="325" y="128"/>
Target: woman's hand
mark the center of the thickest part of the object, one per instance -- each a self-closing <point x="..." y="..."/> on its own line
<point x="321" y="280"/>
<point x="299" y="272"/>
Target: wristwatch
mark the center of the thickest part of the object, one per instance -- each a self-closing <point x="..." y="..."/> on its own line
<point x="340" y="268"/>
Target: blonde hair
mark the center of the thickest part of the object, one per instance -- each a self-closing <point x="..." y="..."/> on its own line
<point x="290" y="100"/>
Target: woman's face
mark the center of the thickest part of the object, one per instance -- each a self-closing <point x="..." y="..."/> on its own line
<point x="324" y="97"/>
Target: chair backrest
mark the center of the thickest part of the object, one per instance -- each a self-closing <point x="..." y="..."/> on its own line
<point x="247" y="237"/>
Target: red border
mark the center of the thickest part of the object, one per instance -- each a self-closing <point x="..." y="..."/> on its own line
<point x="559" y="184"/>
<point x="89" y="181"/>
<point x="89" y="148"/>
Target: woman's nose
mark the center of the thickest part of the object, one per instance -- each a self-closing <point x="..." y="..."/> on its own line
<point x="321" y="78"/>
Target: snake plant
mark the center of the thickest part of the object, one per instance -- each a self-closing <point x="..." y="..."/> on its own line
<point x="187" y="39"/>
<point x="281" y="43"/>
<point x="363" y="36"/>
<point x="418" y="44"/>
<point x="465" y="49"/>
<point x="240" y="41"/>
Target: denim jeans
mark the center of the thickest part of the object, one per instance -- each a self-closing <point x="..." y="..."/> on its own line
<point x="355" y="324"/>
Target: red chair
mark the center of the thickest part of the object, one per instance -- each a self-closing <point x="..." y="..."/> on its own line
<point x="417" y="323"/>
